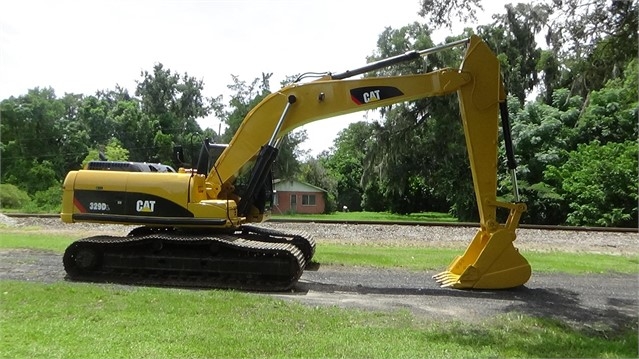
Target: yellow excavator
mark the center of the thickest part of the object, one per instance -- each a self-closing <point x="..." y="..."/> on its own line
<point x="194" y="226"/>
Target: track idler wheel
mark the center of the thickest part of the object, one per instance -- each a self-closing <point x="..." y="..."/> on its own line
<point x="307" y="248"/>
<point x="79" y="258"/>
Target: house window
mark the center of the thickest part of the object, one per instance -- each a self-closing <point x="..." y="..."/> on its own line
<point x="308" y="200"/>
<point x="276" y="201"/>
<point x="293" y="200"/>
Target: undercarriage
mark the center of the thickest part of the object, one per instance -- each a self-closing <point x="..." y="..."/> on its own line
<point x="251" y="258"/>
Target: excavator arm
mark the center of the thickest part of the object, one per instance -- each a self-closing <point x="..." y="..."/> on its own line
<point x="490" y="261"/>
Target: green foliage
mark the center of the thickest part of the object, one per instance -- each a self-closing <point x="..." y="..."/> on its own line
<point x="594" y="41"/>
<point x="44" y="137"/>
<point x="345" y="163"/>
<point x="174" y="101"/>
<point x="416" y="156"/>
<point x="544" y="204"/>
<point x="542" y="135"/>
<point x="113" y="151"/>
<point x="95" y="114"/>
<point x="512" y="36"/>
<point x="12" y="197"/>
<point x="611" y="113"/>
<point x="169" y="105"/>
<point x="164" y="146"/>
<point x="600" y="184"/>
<point x="373" y="199"/>
<point x="136" y="129"/>
<point x="444" y="13"/>
<point x="46" y="201"/>
<point x="33" y="130"/>
<point x="287" y="164"/>
<point x="313" y="172"/>
<point x="33" y="176"/>
<point x="244" y="98"/>
<point x="40" y="177"/>
<point x="547" y="135"/>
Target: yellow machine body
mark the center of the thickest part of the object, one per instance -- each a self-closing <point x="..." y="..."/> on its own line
<point x="144" y="198"/>
<point x="209" y="200"/>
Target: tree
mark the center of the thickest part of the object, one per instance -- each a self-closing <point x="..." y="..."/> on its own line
<point x="611" y="113"/>
<point x="599" y="181"/>
<point x="545" y="135"/>
<point x="136" y="131"/>
<point x="244" y="98"/>
<point x="443" y="13"/>
<point x="172" y="104"/>
<point x="346" y="163"/>
<point x="542" y="135"/>
<point x="512" y="37"/>
<point x="592" y="40"/>
<point x="417" y="156"/>
<point x="578" y="25"/>
<point x="589" y="42"/>
<point x="31" y="136"/>
<point x="94" y="113"/>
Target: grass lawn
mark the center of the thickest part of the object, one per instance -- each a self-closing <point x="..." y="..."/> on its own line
<point x="73" y="320"/>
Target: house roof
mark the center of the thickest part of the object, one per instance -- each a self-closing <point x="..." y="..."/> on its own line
<point x="294" y="185"/>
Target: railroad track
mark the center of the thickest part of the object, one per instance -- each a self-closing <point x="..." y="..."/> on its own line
<point x="400" y="223"/>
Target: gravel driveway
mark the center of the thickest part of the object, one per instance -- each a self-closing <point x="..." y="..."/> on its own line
<point x="594" y="301"/>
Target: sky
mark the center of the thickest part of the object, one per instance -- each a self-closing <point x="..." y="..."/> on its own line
<point x="85" y="46"/>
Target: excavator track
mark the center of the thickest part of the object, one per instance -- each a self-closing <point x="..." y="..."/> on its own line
<point x="300" y="239"/>
<point x="253" y="258"/>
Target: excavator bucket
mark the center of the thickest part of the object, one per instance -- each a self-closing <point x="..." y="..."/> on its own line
<point x="491" y="261"/>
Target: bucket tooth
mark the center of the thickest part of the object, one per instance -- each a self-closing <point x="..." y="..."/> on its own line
<point x="446" y="279"/>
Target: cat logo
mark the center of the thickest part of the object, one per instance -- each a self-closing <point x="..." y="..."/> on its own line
<point x="371" y="94"/>
<point x="145" y="206"/>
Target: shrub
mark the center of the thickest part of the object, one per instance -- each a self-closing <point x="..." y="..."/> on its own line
<point x="49" y="200"/>
<point x="13" y="197"/>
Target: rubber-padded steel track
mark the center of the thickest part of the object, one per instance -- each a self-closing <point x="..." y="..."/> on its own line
<point x="252" y="258"/>
<point x="301" y="240"/>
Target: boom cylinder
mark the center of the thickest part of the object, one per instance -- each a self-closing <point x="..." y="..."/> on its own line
<point x="291" y="100"/>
